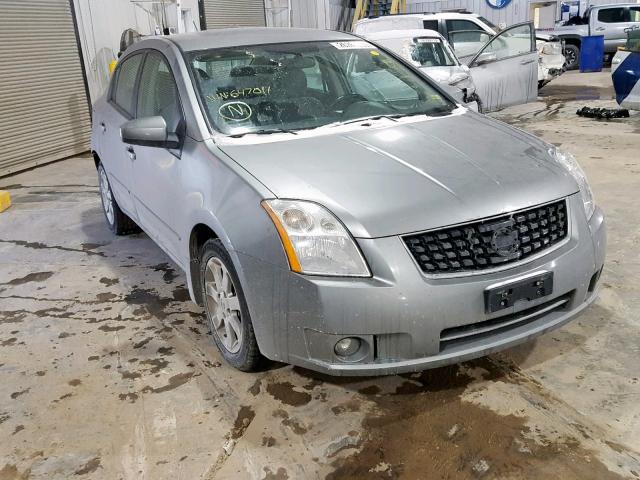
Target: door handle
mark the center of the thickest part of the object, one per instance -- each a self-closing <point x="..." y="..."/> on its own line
<point x="103" y="127"/>
<point x="600" y="29"/>
<point x="526" y="62"/>
<point x="131" y="152"/>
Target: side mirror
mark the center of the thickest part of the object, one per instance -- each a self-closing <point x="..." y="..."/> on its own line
<point x="150" y="132"/>
<point x="486" y="57"/>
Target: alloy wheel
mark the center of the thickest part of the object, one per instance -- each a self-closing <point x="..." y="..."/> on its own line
<point x="223" y="305"/>
<point x="107" y="197"/>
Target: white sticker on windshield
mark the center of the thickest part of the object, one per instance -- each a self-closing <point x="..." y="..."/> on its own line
<point x="352" y="45"/>
<point x="427" y="40"/>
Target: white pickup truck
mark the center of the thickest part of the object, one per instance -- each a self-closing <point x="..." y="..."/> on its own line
<point x="609" y="20"/>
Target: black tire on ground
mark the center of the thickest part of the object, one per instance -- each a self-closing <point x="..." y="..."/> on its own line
<point x="118" y="221"/>
<point x="572" y="56"/>
<point x="248" y="358"/>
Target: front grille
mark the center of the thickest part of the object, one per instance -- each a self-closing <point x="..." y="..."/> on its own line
<point x="490" y="242"/>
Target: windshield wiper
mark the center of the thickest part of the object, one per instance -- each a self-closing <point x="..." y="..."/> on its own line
<point x="264" y="131"/>
<point x="392" y="116"/>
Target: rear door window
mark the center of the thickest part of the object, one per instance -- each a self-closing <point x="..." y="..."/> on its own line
<point x="611" y="15"/>
<point x="123" y="94"/>
<point x="634" y="14"/>
<point x="430" y="25"/>
<point x="455" y="25"/>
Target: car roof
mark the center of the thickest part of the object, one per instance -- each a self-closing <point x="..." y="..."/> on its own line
<point x="400" y="33"/>
<point x="421" y="15"/>
<point x="242" y="36"/>
<point x="614" y="5"/>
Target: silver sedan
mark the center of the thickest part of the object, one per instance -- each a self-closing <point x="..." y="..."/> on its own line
<point x="333" y="208"/>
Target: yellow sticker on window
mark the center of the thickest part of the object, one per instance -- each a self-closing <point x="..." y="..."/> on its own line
<point x="374" y="53"/>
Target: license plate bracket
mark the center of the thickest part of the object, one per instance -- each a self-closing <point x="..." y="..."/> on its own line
<point x="505" y="296"/>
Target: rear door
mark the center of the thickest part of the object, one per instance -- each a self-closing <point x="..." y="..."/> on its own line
<point x="612" y="23"/>
<point x="505" y="70"/>
<point x="113" y="151"/>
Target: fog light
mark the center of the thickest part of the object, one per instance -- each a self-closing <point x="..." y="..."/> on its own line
<point x="347" y="346"/>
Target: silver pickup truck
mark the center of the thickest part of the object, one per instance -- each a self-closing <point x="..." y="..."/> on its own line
<point x="609" y="20"/>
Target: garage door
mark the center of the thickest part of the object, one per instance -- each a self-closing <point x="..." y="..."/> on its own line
<point x="44" y="115"/>
<point x="234" y="13"/>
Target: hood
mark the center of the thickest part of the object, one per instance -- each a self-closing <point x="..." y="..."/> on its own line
<point x="442" y="74"/>
<point x="410" y="176"/>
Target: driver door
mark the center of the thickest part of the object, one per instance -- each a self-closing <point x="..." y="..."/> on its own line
<point x="157" y="171"/>
<point x="505" y="69"/>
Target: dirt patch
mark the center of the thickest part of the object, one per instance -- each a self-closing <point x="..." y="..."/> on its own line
<point x="284" y="392"/>
<point x="109" y="328"/>
<point x="15" y="395"/>
<point x="280" y="474"/>
<point x="89" y="467"/>
<point x="109" y="281"/>
<point x="449" y="438"/>
<point x="142" y="343"/>
<point x="154" y="303"/>
<point x="106" y="296"/>
<point x="32" y="277"/>
<point x="156" y="364"/>
<point x="174" y="382"/>
<point x="10" y="472"/>
<point x="169" y="273"/>
<point x="242" y="422"/>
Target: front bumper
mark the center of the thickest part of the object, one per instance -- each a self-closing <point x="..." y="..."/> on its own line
<point x="401" y="313"/>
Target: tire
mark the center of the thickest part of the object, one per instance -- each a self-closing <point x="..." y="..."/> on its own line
<point x="118" y="221"/>
<point x="572" y="56"/>
<point x="540" y="84"/>
<point x="226" y="308"/>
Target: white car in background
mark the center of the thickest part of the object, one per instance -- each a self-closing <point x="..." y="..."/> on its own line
<point x="551" y="61"/>
<point x="471" y="33"/>
<point x="504" y="69"/>
<point x="431" y="53"/>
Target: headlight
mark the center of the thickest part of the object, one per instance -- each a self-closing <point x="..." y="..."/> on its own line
<point x="569" y="162"/>
<point x="314" y="240"/>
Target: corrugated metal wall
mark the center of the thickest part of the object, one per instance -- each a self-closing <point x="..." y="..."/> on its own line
<point x="234" y="13"/>
<point x="44" y="114"/>
<point x="325" y="14"/>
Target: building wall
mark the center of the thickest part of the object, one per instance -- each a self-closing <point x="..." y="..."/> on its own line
<point x="101" y="23"/>
<point x="325" y="14"/>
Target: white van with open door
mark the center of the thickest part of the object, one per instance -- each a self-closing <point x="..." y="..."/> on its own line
<point x="504" y="68"/>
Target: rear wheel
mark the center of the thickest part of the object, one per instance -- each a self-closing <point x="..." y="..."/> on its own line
<point x="118" y="221"/>
<point x="571" y="56"/>
<point x="226" y="308"/>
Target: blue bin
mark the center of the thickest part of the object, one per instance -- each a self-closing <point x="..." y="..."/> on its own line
<point x="592" y="53"/>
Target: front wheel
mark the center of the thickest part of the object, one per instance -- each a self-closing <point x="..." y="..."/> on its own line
<point x="226" y="308"/>
<point x="571" y="56"/>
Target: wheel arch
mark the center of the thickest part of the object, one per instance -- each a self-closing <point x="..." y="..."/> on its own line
<point x="572" y="40"/>
<point x="200" y="233"/>
<point x="96" y="158"/>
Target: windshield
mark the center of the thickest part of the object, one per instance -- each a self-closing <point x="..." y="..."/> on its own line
<point x="287" y="87"/>
<point x="430" y="52"/>
<point x="491" y="25"/>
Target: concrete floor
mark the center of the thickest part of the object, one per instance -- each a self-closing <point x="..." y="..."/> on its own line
<point x="107" y="370"/>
